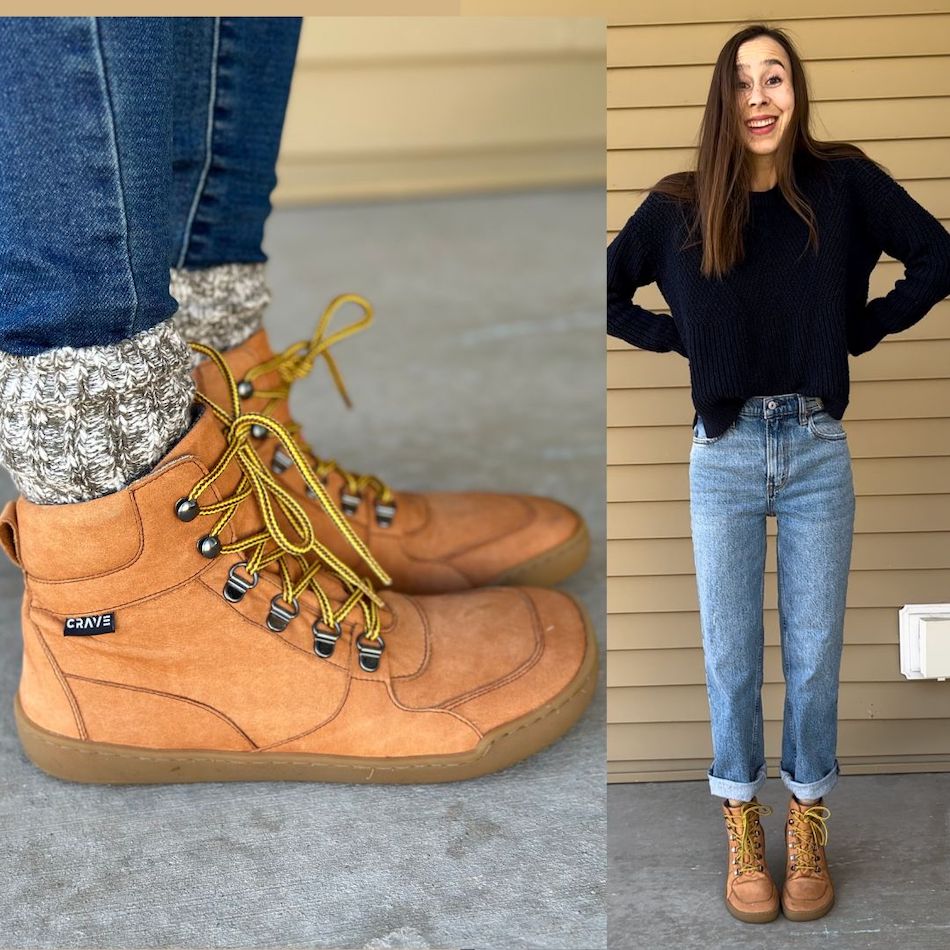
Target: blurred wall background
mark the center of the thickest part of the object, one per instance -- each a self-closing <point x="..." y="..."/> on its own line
<point x="386" y="107"/>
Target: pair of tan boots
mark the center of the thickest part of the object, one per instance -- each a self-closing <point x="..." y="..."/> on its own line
<point x="220" y="619"/>
<point x="751" y="894"/>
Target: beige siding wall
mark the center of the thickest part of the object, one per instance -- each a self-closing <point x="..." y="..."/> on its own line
<point x="398" y="106"/>
<point x="880" y="77"/>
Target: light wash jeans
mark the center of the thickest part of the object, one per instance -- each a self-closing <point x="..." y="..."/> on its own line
<point x="785" y="456"/>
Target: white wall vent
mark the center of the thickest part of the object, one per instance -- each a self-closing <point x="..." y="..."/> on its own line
<point x="925" y="641"/>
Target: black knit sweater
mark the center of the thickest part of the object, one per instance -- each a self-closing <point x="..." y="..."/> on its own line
<point x="784" y="319"/>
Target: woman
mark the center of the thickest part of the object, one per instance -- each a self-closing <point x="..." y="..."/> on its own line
<point x="763" y="254"/>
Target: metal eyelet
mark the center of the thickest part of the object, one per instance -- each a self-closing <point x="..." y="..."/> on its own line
<point x="281" y="614"/>
<point x="245" y="389"/>
<point x="209" y="547"/>
<point x="258" y="431"/>
<point x="385" y="513"/>
<point x="186" y="509"/>
<point x="325" y="638"/>
<point x="370" y="652"/>
<point x="235" y="587"/>
<point x="349" y="503"/>
<point x="280" y="462"/>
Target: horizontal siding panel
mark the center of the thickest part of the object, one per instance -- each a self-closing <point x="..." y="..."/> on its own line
<point x="890" y="588"/>
<point x="886" y="513"/>
<point x="907" y="358"/>
<point x="881" y="78"/>
<point x="872" y="476"/>
<point x="825" y="38"/>
<point x="621" y="12"/>
<point x="680" y="629"/>
<point x="932" y="193"/>
<point x="906" y="160"/>
<point x="692" y="739"/>
<point x="656" y="557"/>
<point x="867" y="663"/>
<point x="858" y="701"/>
<point x="867" y="120"/>
<point x="680" y="770"/>
<point x="883" y="277"/>
<point x="872" y="438"/>
<point x="882" y="399"/>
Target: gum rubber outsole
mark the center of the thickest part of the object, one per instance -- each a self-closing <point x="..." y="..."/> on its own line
<point x="807" y="914"/>
<point x="79" y="760"/>
<point x="551" y="567"/>
<point x="753" y="917"/>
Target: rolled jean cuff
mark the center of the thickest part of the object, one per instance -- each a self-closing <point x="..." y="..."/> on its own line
<point x="816" y="789"/>
<point x="740" y="791"/>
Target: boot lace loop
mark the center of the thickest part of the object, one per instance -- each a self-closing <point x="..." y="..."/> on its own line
<point x="296" y="362"/>
<point x="297" y="554"/>
<point x="746" y="831"/>
<point x="809" y="830"/>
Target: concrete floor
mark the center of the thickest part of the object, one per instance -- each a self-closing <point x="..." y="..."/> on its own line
<point x="485" y="370"/>
<point x="888" y="852"/>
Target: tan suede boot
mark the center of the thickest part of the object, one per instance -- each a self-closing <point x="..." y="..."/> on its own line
<point x="807" y="892"/>
<point x="427" y="542"/>
<point x="751" y="894"/>
<point x="191" y="627"/>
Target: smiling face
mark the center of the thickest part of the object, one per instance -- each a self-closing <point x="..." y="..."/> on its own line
<point x="764" y="88"/>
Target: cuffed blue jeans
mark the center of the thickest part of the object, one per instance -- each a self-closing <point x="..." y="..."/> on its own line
<point x="786" y="457"/>
<point x="128" y="145"/>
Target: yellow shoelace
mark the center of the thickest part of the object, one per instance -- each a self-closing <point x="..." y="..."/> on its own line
<point x="272" y="545"/>
<point x="809" y="829"/>
<point x="296" y="362"/>
<point x="744" y="829"/>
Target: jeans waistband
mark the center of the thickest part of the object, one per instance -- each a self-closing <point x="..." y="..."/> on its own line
<point x="786" y="404"/>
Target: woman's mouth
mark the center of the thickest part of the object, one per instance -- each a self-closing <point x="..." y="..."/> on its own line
<point x="761" y="126"/>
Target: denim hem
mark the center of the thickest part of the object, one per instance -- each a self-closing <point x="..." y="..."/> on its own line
<point x="741" y="791"/>
<point x="816" y="789"/>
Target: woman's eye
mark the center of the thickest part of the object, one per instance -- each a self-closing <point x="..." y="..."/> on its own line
<point x="743" y="85"/>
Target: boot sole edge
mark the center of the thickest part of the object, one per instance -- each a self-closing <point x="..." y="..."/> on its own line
<point x="104" y="763"/>
<point x="754" y="917"/>
<point x="801" y="915"/>
<point x="552" y="566"/>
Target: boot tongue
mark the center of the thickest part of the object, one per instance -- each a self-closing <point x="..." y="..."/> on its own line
<point x="241" y="359"/>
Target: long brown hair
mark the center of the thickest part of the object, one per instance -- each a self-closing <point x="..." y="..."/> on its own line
<point x="718" y="187"/>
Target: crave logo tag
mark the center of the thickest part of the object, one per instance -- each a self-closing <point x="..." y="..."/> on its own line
<point x="86" y="626"/>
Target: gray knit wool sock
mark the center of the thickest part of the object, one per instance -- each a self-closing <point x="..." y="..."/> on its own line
<point x="77" y="423"/>
<point x="220" y="306"/>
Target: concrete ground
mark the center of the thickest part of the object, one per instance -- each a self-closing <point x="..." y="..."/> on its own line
<point x="888" y="853"/>
<point x="484" y="369"/>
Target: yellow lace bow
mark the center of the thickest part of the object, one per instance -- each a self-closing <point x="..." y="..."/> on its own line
<point x="296" y="362"/>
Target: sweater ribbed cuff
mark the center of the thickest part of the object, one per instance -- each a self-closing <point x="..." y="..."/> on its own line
<point x="78" y="423"/>
<point x="220" y="306"/>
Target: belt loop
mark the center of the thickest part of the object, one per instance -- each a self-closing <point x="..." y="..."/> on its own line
<point x="802" y="409"/>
